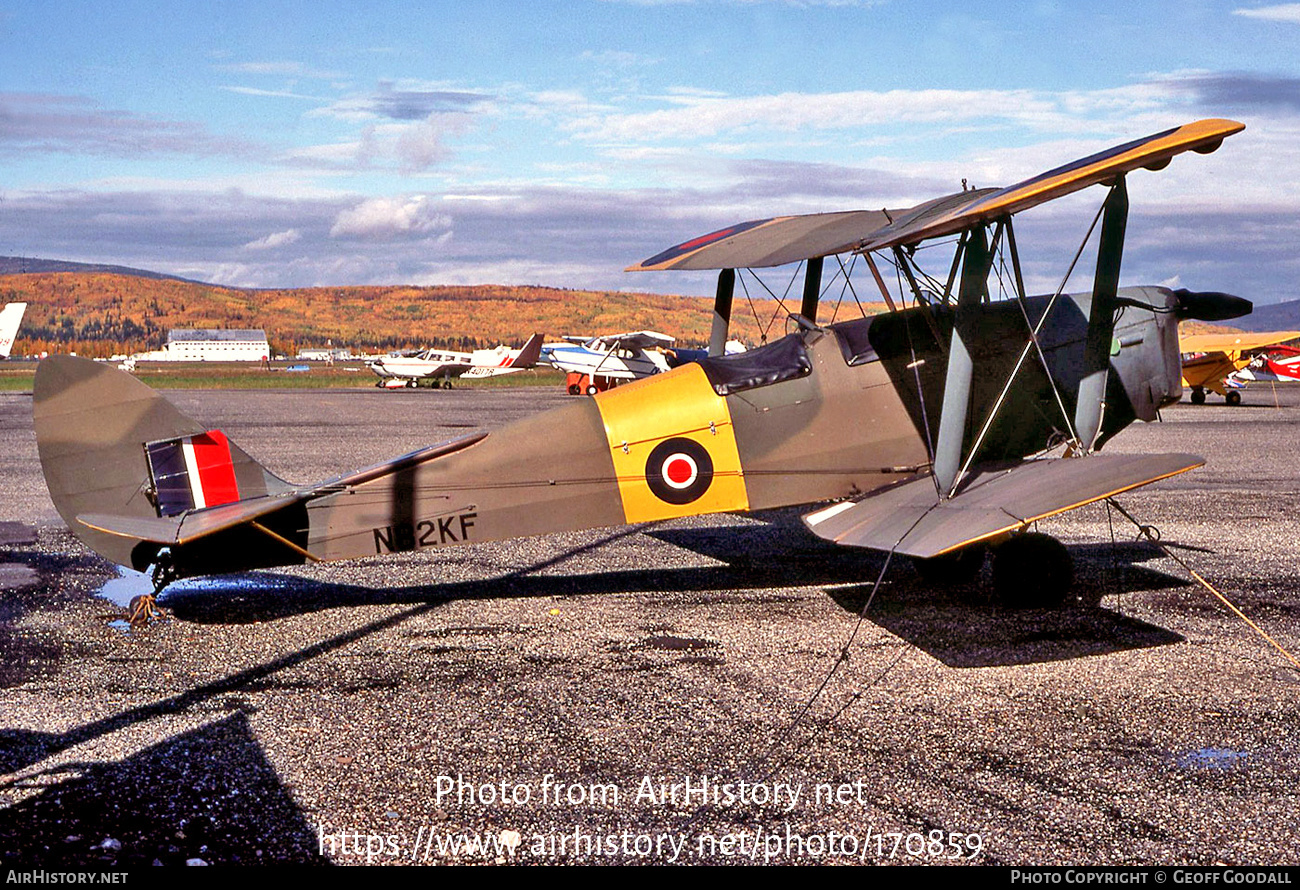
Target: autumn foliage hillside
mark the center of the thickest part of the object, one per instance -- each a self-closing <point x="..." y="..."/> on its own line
<point x="98" y="314"/>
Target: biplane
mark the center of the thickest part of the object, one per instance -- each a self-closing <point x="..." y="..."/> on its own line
<point x="938" y="430"/>
<point x="1212" y="361"/>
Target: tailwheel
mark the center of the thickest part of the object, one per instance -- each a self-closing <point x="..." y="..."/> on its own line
<point x="1032" y="570"/>
<point x="1233" y="398"/>
<point x="144" y="608"/>
<point x="952" y="568"/>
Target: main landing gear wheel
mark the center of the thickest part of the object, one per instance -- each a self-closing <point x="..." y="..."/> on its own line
<point x="952" y="568"/>
<point x="591" y="389"/>
<point x="1032" y="569"/>
<point x="1198" y="396"/>
<point x="1233" y="398"/>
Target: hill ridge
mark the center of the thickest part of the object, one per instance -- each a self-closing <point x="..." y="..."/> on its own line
<point x="100" y="313"/>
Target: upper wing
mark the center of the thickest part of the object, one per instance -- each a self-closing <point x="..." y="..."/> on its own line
<point x="787" y="239"/>
<point x="770" y="242"/>
<point x="1233" y="342"/>
<point x="644" y="339"/>
<point x="1152" y="152"/>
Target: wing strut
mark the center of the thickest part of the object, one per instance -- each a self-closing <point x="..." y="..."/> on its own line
<point x="1101" y="317"/>
<point x="812" y="286"/>
<point x="880" y="282"/>
<point x="722" y="312"/>
<point x="976" y="262"/>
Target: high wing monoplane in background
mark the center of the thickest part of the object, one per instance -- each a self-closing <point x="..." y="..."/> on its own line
<point x="10" y="317"/>
<point x="926" y="426"/>
<point x="1210" y="360"/>
<point x="442" y="365"/>
<point x="594" y="364"/>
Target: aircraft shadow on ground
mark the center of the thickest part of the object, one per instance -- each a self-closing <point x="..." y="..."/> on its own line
<point x="961" y="626"/>
<point x="207" y="794"/>
<point x="754" y="557"/>
<point x="965" y="626"/>
<point x="146" y="799"/>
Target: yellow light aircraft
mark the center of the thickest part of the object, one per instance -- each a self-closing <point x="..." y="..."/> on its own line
<point x="1209" y="358"/>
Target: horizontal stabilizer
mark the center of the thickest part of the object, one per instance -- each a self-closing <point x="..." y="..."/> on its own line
<point x="188" y="526"/>
<point x="909" y="518"/>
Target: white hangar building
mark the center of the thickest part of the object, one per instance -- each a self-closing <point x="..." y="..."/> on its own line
<point x="217" y="345"/>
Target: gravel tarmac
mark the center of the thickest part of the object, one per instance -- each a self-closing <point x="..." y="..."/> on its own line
<point x="643" y="694"/>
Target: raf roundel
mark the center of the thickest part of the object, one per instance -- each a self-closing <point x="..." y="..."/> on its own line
<point x="679" y="470"/>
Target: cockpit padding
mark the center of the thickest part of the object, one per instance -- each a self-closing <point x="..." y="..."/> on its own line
<point x="786" y="359"/>
<point x="855" y="343"/>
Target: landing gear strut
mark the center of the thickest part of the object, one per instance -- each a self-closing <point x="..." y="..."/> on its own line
<point x="1032" y="569"/>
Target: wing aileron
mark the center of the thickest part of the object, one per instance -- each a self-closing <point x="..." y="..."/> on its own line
<point x="909" y="518"/>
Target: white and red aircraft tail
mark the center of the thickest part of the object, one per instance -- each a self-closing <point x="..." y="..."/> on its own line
<point x="10" y="317"/>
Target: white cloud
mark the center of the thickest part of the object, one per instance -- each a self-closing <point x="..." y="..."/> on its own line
<point x="406" y="147"/>
<point x="1283" y="12"/>
<point x="693" y="115"/>
<point x="275" y="94"/>
<point x="274" y="240"/>
<point x="280" y="69"/>
<point x="383" y="219"/>
<point x="618" y="58"/>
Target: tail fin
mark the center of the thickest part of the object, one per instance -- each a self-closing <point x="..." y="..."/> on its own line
<point x="10" y="317"/>
<point x="530" y="353"/>
<point x="111" y="445"/>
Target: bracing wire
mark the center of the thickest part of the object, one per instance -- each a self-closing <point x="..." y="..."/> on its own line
<point x="1146" y="531"/>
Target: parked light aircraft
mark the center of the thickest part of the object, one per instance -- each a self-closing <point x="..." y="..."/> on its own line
<point x="924" y="428"/>
<point x="595" y="364"/>
<point x="10" y="317"/>
<point x="441" y="365"/>
<point x="1281" y="364"/>
<point x="1211" y="360"/>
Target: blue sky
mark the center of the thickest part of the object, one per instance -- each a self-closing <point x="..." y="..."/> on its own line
<point x="284" y="144"/>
